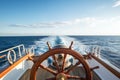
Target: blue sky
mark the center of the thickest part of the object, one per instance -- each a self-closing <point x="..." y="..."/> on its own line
<point x="59" y="17"/>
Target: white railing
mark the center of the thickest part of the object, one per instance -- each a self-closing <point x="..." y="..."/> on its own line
<point x="11" y="54"/>
<point x="94" y="50"/>
<point x="30" y="50"/>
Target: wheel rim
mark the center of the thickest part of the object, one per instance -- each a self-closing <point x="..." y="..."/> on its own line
<point x="65" y="51"/>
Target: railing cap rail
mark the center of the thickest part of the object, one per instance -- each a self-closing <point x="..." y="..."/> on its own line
<point x="11" y="48"/>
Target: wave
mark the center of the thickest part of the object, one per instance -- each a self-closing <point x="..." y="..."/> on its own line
<point x="109" y="48"/>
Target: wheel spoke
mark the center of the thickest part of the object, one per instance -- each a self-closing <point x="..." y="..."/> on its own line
<point x="73" y="67"/>
<point x="53" y="78"/>
<point x="83" y="79"/>
<point x="75" y="77"/>
<point x="65" y="55"/>
<point x="48" y="69"/>
<point x="56" y="64"/>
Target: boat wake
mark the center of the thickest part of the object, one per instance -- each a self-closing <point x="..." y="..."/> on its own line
<point x="107" y="53"/>
<point x="41" y="46"/>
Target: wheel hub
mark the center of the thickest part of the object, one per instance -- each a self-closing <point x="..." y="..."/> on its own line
<point x="61" y="76"/>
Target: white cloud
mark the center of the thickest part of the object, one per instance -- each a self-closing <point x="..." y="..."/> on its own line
<point x="87" y="21"/>
<point x="43" y="25"/>
<point x="85" y="25"/>
<point x="80" y="22"/>
<point x="18" y="25"/>
<point x="116" y="4"/>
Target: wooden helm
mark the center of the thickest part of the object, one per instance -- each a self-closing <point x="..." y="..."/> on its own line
<point x="61" y="74"/>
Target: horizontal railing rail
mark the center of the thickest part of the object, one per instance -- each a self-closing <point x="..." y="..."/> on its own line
<point x="12" y="48"/>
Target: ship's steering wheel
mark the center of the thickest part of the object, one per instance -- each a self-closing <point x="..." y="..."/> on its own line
<point x="61" y="74"/>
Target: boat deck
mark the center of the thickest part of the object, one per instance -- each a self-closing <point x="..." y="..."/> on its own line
<point x="43" y="74"/>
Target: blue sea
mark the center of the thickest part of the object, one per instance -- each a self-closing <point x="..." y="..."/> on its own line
<point x="109" y="45"/>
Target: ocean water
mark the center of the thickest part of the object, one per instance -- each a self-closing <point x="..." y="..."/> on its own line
<point x="109" y="45"/>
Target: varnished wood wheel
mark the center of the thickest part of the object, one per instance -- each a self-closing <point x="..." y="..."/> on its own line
<point x="61" y="74"/>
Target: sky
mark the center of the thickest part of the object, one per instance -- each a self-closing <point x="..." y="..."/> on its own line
<point x="59" y="17"/>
